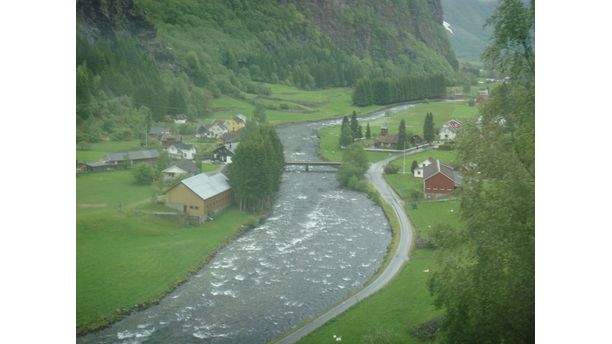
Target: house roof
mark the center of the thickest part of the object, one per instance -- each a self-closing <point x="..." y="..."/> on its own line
<point x="228" y="146"/>
<point x="389" y="139"/>
<point x="174" y="169"/>
<point x="97" y="164"/>
<point x="201" y="129"/>
<point x="159" y="130"/>
<point x="187" y="165"/>
<point x="207" y="186"/>
<point x="133" y="155"/>
<point x="182" y="146"/>
<point x="438" y="167"/>
<point x="240" y="117"/>
<point x="453" y="123"/>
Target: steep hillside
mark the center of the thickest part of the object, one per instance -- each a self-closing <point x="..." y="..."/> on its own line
<point x="148" y="58"/>
<point x="466" y="19"/>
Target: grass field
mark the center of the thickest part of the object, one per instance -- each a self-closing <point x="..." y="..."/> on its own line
<point x="302" y="105"/>
<point x="125" y="260"/>
<point x="390" y="315"/>
<point x="108" y="189"/>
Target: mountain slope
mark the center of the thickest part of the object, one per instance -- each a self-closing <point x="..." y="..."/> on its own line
<point x="466" y="19"/>
<point x="158" y="57"/>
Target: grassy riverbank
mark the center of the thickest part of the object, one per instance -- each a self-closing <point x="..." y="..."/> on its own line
<point x="127" y="260"/>
<point x="390" y="315"/>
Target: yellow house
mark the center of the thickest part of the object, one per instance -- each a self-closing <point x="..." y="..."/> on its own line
<point x="200" y="195"/>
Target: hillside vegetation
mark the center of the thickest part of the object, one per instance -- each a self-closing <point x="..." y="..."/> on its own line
<point x="140" y="60"/>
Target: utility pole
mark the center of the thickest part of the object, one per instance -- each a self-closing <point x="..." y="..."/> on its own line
<point x="404" y="162"/>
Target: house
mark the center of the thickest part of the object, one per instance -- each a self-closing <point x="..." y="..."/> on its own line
<point x="180" y="119"/>
<point x="158" y="131"/>
<point x="181" y="151"/>
<point x="449" y="130"/>
<point x="230" y="137"/>
<point x="235" y="124"/>
<point x="180" y="168"/>
<point x="241" y="117"/>
<point x="386" y="141"/>
<point x="200" y="195"/>
<point x="217" y="129"/>
<point x="201" y="132"/>
<point x="169" y="140"/>
<point x="418" y="172"/>
<point x="225" y="152"/>
<point x="129" y="158"/>
<point x="439" y="179"/>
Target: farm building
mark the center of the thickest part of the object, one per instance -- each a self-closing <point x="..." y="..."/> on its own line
<point x="439" y="179"/>
<point x="225" y="152"/>
<point x="98" y="166"/>
<point x="449" y="130"/>
<point x="386" y="141"/>
<point x="180" y="168"/>
<point x="200" y="195"/>
<point x="169" y="140"/>
<point x="181" y="151"/>
<point x="132" y="157"/>
<point x="158" y="131"/>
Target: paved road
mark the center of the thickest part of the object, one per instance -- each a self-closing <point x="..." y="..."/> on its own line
<point x="400" y="256"/>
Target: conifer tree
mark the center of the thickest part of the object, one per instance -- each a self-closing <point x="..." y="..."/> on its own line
<point x="402" y="137"/>
<point x="428" y="128"/>
<point x="354" y="125"/>
<point x="368" y="133"/>
<point x="346" y="135"/>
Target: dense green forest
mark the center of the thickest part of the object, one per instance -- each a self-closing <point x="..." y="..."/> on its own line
<point x="140" y="60"/>
<point x="381" y="91"/>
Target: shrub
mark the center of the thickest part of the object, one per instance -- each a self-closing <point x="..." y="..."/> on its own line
<point x="144" y="174"/>
<point x="445" y="146"/>
<point x="471" y="102"/>
<point x="428" y="329"/>
<point x="391" y="169"/>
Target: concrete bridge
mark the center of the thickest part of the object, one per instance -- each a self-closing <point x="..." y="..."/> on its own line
<point x="313" y="163"/>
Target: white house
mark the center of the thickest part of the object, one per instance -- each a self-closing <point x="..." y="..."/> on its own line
<point x="181" y="168"/>
<point x="217" y="129"/>
<point x="418" y="172"/>
<point x="449" y="130"/>
<point x="181" y="151"/>
<point x="180" y="119"/>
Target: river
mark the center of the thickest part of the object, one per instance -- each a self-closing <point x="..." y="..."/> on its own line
<point x="319" y="244"/>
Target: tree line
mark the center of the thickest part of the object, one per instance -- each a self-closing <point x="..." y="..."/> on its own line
<point x="387" y="90"/>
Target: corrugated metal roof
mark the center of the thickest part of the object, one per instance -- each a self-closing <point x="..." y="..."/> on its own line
<point x="133" y="155"/>
<point x="159" y="130"/>
<point x="207" y="186"/>
<point x="438" y="167"/>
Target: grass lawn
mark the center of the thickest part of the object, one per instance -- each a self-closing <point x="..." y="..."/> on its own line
<point x="108" y="189"/>
<point x="124" y="260"/>
<point x="207" y="167"/>
<point x="97" y="151"/>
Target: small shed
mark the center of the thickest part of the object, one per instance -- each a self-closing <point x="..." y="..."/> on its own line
<point x="180" y="168"/>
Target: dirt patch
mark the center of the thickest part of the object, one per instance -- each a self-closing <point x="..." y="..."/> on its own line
<point x="92" y="205"/>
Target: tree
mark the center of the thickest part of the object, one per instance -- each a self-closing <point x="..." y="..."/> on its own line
<point x="144" y="174"/>
<point x="354" y="166"/>
<point x="368" y="133"/>
<point x="428" y="128"/>
<point x="346" y="135"/>
<point x="486" y="282"/>
<point x="402" y="136"/>
<point x="355" y="125"/>
<point x="414" y="166"/>
<point x="360" y="132"/>
<point x="259" y="114"/>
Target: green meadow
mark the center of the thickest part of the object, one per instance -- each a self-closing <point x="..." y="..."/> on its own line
<point x="125" y="258"/>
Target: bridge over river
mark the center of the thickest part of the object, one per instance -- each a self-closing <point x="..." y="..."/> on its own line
<point x="313" y="163"/>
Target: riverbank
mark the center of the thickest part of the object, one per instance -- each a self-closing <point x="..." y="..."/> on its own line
<point x="128" y="262"/>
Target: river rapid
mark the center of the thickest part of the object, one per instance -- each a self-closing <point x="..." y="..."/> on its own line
<point x="319" y="244"/>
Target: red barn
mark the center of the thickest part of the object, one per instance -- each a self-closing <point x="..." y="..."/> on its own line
<point x="439" y="179"/>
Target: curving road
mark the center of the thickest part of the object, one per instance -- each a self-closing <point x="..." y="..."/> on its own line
<point x="400" y="256"/>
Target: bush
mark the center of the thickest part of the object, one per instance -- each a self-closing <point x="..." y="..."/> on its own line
<point x="391" y="169"/>
<point x="144" y="174"/>
<point x="428" y="330"/>
<point x="471" y="102"/>
<point x="445" y="146"/>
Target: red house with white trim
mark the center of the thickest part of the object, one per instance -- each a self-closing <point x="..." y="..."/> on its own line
<point x="439" y="179"/>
